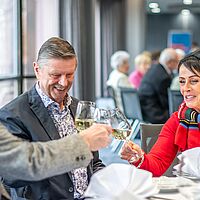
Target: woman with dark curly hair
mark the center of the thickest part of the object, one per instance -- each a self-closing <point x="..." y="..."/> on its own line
<point x="181" y="131"/>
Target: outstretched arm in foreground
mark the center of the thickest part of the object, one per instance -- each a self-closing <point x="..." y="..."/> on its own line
<point x="38" y="160"/>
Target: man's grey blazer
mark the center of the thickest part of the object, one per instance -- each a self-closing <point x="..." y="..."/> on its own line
<point x="27" y="117"/>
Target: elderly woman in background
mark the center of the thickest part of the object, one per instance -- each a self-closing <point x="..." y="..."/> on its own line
<point x="142" y="64"/>
<point x="181" y="131"/>
<point x="118" y="77"/>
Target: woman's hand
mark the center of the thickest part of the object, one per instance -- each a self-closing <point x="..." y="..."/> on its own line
<point x="131" y="152"/>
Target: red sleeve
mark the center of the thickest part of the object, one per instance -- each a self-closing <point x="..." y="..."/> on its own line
<point x="164" y="151"/>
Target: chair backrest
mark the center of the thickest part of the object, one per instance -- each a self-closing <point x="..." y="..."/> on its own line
<point x="131" y="103"/>
<point x="175" y="98"/>
<point x="105" y="102"/>
<point x="149" y="135"/>
<point x="111" y="91"/>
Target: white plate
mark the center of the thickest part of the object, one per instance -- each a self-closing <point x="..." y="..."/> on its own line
<point x="171" y="184"/>
<point x="166" y="184"/>
<point x="186" y="175"/>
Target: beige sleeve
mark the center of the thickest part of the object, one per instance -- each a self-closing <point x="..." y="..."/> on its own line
<point x="37" y="160"/>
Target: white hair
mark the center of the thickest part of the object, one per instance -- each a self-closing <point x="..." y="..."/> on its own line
<point x="180" y="53"/>
<point x="167" y="55"/>
<point x="118" y="58"/>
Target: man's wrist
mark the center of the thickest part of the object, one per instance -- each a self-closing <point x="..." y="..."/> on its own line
<point x="84" y="138"/>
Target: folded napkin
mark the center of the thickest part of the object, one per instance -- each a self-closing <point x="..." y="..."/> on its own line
<point x="121" y="182"/>
<point x="191" y="162"/>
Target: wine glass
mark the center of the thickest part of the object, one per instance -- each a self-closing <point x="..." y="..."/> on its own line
<point x="84" y="116"/>
<point x="120" y="125"/>
<point x="102" y="116"/>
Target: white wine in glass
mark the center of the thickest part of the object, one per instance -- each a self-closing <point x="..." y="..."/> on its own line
<point x="121" y="134"/>
<point x="84" y="117"/>
<point x="82" y="124"/>
<point x="121" y="129"/>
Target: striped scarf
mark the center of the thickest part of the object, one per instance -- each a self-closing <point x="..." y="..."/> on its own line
<point x="188" y="132"/>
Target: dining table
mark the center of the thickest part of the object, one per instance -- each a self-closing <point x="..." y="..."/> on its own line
<point x="177" y="188"/>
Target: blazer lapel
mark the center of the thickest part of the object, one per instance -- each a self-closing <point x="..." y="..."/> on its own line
<point x="73" y="107"/>
<point x="42" y="114"/>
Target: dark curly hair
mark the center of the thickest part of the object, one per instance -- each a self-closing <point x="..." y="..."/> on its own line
<point x="191" y="62"/>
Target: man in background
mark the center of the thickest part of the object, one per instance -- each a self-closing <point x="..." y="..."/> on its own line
<point x="175" y="85"/>
<point x="46" y="112"/>
<point x="153" y="89"/>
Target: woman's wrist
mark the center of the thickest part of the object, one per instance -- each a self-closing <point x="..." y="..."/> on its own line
<point x="141" y="161"/>
<point x="136" y="158"/>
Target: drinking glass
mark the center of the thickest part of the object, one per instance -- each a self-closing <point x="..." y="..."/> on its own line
<point x="84" y="116"/>
<point x="121" y="127"/>
<point x="102" y="116"/>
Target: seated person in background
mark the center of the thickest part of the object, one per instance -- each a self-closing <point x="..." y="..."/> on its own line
<point x="155" y="55"/>
<point x="118" y="77"/>
<point x="175" y="81"/>
<point x="153" y="89"/>
<point x="181" y="131"/>
<point x="46" y="112"/>
<point x="142" y="64"/>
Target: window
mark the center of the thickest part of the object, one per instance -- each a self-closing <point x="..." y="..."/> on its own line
<point x="24" y="26"/>
<point x="8" y="51"/>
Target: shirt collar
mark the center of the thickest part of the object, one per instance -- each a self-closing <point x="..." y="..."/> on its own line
<point x="48" y="101"/>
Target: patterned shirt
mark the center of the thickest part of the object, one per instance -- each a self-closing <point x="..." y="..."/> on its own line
<point x="65" y="125"/>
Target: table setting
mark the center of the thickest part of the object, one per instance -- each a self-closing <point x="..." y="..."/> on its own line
<point x="122" y="181"/>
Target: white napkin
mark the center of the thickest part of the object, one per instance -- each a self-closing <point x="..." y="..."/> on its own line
<point x="191" y="162"/>
<point x="121" y="182"/>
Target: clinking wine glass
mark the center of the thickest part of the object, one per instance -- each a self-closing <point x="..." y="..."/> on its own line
<point x="84" y="116"/>
<point x="120" y="125"/>
<point x="102" y="116"/>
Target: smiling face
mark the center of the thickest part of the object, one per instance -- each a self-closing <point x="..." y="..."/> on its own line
<point x="190" y="87"/>
<point x="56" y="77"/>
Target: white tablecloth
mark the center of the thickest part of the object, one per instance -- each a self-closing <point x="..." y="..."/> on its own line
<point x="170" y="188"/>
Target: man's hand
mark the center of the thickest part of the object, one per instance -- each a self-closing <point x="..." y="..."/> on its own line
<point x="97" y="136"/>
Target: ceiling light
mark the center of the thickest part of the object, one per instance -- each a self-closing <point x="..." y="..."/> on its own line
<point x="187" y="2"/>
<point x="185" y="12"/>
<point x="153" y="5"/>
<point x="155" y="10"/>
